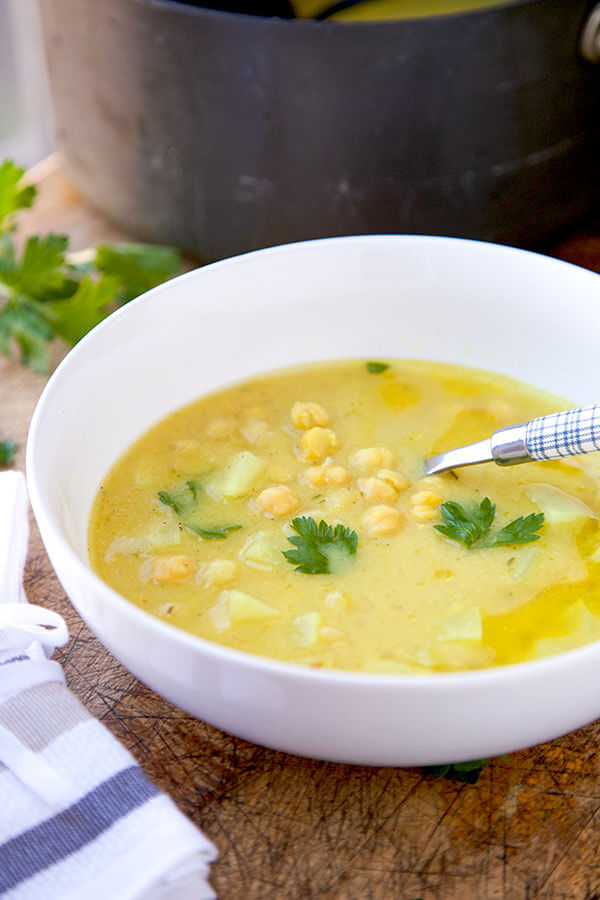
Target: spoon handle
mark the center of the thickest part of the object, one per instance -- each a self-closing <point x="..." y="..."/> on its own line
<point x="565" y="433"/>
<point x="549" y="437"/>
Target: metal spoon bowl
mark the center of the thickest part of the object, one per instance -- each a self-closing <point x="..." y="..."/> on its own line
<point x="569" y="433"/>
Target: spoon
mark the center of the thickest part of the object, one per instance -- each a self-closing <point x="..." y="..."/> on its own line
<point x="549" y="437"/>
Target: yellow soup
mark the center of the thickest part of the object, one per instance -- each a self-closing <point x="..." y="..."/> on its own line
<point x="370" y="10"/>
<point x="288" y="516"/>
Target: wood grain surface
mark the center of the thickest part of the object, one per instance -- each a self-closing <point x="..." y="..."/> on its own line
<point x="294" y="829"/>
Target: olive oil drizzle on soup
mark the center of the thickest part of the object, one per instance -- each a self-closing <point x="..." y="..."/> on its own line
<point x="193" y="523"/>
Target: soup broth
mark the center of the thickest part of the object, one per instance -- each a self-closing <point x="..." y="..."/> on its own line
<point x="372" y="10"/>
<point x="288" y="516"/>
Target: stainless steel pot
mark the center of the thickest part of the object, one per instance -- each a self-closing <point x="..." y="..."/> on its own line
<point x="222" y="132"/>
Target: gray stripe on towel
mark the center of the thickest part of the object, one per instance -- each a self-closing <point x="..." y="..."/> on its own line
<point x="67" y="832"/>
<point x="40" y="714"/>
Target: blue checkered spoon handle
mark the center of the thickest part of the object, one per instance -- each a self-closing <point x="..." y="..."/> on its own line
<point x="564" y="434"/>
<point x="549" y="437"/>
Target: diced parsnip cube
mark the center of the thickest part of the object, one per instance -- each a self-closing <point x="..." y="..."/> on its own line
<point x="558" y="506"/>
<point x="391" y="667"/>
<point x="189" y="456"/>
<point x="305" y="629"/>
<point x="337" y="600"/>
<point x="462" y="655"/>
<point x="235" y="607"/>
<point x="221" y="428"/>
<point x="263" y="552"/>
<point x="239" y="475"/>
<point x="464" y="626"/>
<point x="159" y="537"/>
<point x="257" y="432"/>
<point x="217" y="572"/>
<point x="243" y="607"/>
<point x="581" y="626"/>
<point x="520" y="563"/>
<point x="149" y="473"/>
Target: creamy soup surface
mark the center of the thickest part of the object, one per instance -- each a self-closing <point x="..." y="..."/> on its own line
<point x="194" y="522"/>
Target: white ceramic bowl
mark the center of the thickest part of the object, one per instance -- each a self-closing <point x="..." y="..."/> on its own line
<point x="473" y="303"/>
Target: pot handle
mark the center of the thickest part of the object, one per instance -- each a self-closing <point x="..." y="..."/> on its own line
<point x="589" y="43"/>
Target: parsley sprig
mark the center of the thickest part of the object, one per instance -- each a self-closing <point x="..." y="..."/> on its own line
<point x="465" y="772"/>
<point x="471" y="525"/>
<point x="8" y="449"/>
<point x="184" y="501"/>
<point x="376" y="368"/>
<point x="317" y="547"/>
<point x="45" y="292"/>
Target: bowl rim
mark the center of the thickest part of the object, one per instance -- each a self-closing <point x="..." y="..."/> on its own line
<point x="418" y="681"/>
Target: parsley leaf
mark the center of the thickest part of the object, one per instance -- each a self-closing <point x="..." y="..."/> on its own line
<point x="215" y="533"/>
<point x="72" y="317"/>
<point x="183" y="500"/>
<point x="316" y="546"/>
<point x="21" y="323"/>
<point x="465" y="772"/>
<point x="376" y="368"/>
<point x="467" y="526"/>
<point x="520" y="531"/>
<point x="8" y="449"/>
<point x="45" y="292"/>
<point x="12" y="195"/>
<point x="137" y="267"/>
<point x="41" y="269"/>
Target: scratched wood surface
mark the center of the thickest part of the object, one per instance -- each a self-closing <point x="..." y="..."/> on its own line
<point x="294" y="829"/>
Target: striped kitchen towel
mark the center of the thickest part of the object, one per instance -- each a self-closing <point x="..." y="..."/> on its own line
<point x="78" y="818"/>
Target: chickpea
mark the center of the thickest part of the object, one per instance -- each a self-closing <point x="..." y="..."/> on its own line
<point x="168" y="569"/>
<point x="307" y="415"/>
<point x="425" y="505"/>
<point x="433" y="482"/>
<point x="425" y="498"/>
<point x="338" y="475"/>
<point x="377" y="490"/>
<point x="372" y="458"/>
<point x="220" y="428"/>
<point x="278" y="500"/>
<point x="424" y="513"/>
<point x="382" y="519"/>
<point x="317" y="443"/>
<point x="331" y="475"/>
<point x="397" y="480"/>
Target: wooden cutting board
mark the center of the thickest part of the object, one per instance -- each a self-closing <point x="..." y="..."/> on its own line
<point x="294" y="829"/>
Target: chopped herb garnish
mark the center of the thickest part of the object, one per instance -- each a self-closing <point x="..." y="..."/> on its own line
<point x="469" y="525"/>
<point x="8" y="448"/>
<point x="315" y="545"/>
<point x="184" y="501"/>
<point x="465" y="772"/>
<point x="216" y="533"/>
<point x="466" y="526"/>
<point x="520" y="531"/>
<point x="46" y="292"/>
<point x="180" y="499"/>
<point x="376" y="368"/>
